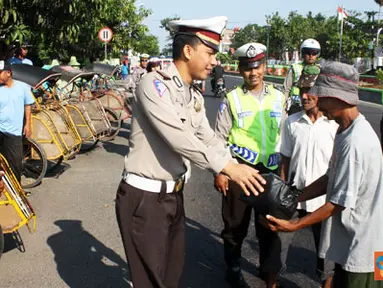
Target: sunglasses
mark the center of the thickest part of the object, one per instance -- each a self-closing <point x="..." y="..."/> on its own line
<point x="311" y="53"/>
<point x="144" y="60"/>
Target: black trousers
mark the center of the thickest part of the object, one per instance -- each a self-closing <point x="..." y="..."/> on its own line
<point x="11" y="147"/>
<point x="152" y="227"/>
<point x="236" y="216"/>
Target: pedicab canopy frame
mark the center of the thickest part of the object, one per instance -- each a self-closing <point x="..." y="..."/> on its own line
<point x="87" y="112"/>
<point x="52" y="126"/>
<point x="102" y="69"/>
<point x="112" y="94"/>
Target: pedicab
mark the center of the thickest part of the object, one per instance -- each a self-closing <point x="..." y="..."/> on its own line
<point x="52" y="126"/>
<point x="15" y="209"/>
<point x="114" y="94"/>
<point x="93" y="121"/>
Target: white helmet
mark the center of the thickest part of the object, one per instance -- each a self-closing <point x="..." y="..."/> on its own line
<point x="311" y="44"/>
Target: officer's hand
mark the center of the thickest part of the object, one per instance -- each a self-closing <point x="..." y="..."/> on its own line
<point x="246" y="177"/>
<point x="221" y="183"/>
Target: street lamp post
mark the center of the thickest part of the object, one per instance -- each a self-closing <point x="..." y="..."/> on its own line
<point x="268" y="27"/>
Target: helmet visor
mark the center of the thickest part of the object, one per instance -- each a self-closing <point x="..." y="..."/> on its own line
<point x="310" y="51"/>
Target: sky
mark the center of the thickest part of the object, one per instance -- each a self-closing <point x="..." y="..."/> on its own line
<point x="240" y="12"/>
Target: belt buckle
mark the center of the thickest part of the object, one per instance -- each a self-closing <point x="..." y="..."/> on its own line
<point x="178" y="185"/>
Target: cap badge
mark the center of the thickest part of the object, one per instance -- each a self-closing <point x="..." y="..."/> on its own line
<point x="251" y="52"/>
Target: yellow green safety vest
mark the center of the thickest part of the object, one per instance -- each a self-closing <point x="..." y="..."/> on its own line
<point x="254" y="136"/>
<point x="297" y="71"/>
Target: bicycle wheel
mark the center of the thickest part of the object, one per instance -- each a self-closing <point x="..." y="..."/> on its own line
<point x="115" y="122"/>
<point x="34" y="165"/>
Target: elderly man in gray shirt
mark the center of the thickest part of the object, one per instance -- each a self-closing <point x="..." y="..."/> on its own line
<point x="352" y="230"/>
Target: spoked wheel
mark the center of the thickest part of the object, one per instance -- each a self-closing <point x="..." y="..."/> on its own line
<point x="1" y="241"/>
<point x="34" y="166"/>
<point x="115" y="122"/>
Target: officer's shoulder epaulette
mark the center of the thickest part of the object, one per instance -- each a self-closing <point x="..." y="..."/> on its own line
<point x="196" y="87"/>
<point x="164" y="75"/>
<point x="278" y="87"/>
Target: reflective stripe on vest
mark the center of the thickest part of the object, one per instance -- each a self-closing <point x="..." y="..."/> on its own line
<point x="245" y="153"/>
<point x="256" y="142"/>
<point x="238" y="108"/>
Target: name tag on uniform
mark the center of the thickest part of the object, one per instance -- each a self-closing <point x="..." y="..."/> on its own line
<point x="245" y="114"/>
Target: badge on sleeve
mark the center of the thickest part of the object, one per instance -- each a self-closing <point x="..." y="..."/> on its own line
<point x="222" y="107"/>
<point x="161" y="88"/>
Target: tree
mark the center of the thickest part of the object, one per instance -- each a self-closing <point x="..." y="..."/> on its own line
<point x="167" y="50"/>
<point x="250" y="33"/>
<point x="62" y="28"/>
<point x="148" y="44"/>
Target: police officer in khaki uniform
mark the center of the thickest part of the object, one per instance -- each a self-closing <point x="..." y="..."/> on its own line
<point x="169" y="128"/>
<point x="140" y="71"/>
<point x="248" y="122"/>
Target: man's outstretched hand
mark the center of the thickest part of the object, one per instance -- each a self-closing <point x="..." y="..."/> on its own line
<point x="246" y="177"/>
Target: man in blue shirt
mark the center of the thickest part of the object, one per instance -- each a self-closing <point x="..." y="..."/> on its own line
<point x="15" y="117"/>
<point x="21" y="56"/>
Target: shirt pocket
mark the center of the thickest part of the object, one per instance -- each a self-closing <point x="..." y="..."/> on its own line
<point x="181" y="111"/>
<point x="197" y="112"/>
<point x="196" y="118"/>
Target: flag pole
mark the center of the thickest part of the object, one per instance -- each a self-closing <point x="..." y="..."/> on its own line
<point x="341" y="35"/>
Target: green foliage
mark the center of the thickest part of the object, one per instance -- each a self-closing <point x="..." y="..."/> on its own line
<point x="167" y="50"/>
<point x="379" y="76"/>
<point x="224" y="58"/>
<point x="289" y="32"/>
<point x="61" y="28"/>
<point x="250" y="33"/>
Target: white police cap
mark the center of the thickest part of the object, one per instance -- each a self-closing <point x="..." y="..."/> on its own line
<point x="251" y="55"/>
<point x="209" y="31"/>
<point x="144" y="56"/>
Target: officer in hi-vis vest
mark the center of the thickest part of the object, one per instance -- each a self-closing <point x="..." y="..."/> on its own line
<point x="310" y="51"/>
<point x="248" y="122"/>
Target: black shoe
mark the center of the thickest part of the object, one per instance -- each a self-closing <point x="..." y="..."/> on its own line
<point x="235" y="278"/>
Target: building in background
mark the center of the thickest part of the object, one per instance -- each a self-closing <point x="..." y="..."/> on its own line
<point x="227" y="38"/>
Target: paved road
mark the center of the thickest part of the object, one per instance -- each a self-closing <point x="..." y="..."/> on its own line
<point x="77" y="243"/>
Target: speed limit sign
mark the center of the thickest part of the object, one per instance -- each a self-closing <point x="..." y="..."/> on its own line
<point x="105" y="34"/>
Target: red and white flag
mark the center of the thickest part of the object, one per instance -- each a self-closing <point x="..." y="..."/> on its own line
<point x="341" y="13"/>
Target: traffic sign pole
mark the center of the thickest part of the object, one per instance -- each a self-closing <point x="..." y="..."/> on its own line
<point x="105" y="34"/>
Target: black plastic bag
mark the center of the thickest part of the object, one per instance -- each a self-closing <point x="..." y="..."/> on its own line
<point x="279" y="199"/>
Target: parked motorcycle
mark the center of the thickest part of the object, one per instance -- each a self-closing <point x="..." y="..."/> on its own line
<point x="220" y="89"/>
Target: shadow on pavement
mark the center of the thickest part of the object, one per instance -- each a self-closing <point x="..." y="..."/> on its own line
<point x="83" y="261"/>
<point x="306" y="263"/>
<point x="119" y="149"/>
<point x="204" y="264"/>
